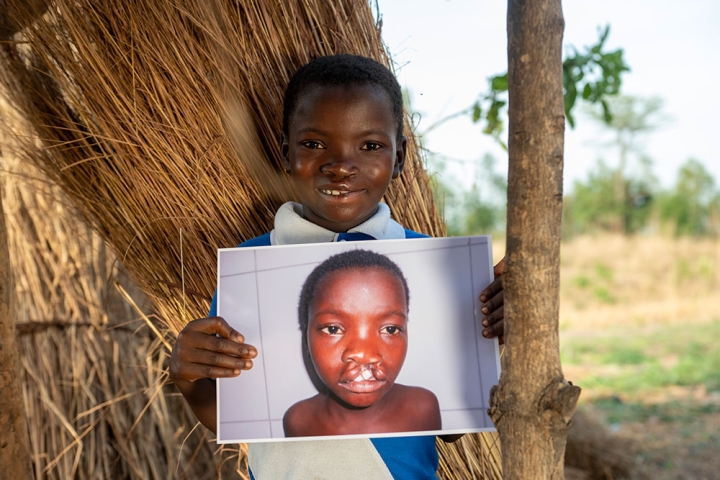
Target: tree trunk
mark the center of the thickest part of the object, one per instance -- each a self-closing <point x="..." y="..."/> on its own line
<point x="14" y="442"/>
<point x="533" y="405"/>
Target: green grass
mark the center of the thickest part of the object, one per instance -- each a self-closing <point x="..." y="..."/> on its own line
<point x="616" y="411"/>
<point x="638" y="360"/>
<point x="604" y="272"/>
<point x="604" y="295"/>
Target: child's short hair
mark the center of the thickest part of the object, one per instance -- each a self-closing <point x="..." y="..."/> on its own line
<point x="342" y="70"/>
<point x="351" y="259"/>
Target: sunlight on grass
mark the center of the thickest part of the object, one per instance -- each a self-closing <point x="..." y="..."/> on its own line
<point x="639" y="360"/>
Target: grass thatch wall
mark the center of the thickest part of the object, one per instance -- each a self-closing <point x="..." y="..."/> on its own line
<point x="93" y="371"/>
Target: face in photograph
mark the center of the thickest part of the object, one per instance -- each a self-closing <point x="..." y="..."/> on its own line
<point x="357" y="333"/>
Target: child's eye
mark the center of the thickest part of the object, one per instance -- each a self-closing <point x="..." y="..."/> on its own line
<point x="331" y="330"/>
<point x="391" y="330"/>
<point x="371" y="146"/>
<point x="312" y="144"/>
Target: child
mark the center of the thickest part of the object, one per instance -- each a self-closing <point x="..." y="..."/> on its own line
<point x="342" y="145"/>
<point x="353" y="315"/>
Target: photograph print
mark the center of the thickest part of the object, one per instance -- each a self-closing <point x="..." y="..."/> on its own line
<point x="358" y="339"/>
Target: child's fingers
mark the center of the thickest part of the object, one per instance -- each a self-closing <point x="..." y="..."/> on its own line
<point x="217" y="325"/>
<point x="495" y="317"/>
<point x="493" y="289"/>
<point x="496" y="329"/>
<point x="195" y="341"/>
<point x="212" y="359"/>
<point x="493" y="303"/>
<point x="198" y="371"/>
<point x="499" y="268"/>
<point x="228" y="347"/>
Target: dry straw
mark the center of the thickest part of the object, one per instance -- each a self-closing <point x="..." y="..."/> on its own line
<point x="161" y="117"/>
<point x="93" y="373"/>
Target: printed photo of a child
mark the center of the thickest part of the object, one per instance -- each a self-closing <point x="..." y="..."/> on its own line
<point x="353" y="314"/>
<point x="358" y="339"/>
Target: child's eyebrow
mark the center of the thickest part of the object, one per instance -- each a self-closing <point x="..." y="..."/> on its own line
<point x="343" y="313"/>
<point x="363" y="133"/>
<point x="311" y="130"/>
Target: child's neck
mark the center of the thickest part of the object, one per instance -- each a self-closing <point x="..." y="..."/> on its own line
<point x="375" y="418"/>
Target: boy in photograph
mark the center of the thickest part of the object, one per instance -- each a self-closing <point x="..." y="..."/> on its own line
<point x="353" y="315"/>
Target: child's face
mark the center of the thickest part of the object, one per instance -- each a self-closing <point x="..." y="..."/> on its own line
<point x="342" y="150"/>
<point x="357" y="333"/>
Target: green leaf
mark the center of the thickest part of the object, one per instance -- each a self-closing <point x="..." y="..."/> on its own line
<point x="570" y="119"/>
<point x="499" y="83"/>
<point x="607" y="115"/>
<point x="569" y="98"/>
<point x="587" y="91"/>
<point x="476" y="112"/>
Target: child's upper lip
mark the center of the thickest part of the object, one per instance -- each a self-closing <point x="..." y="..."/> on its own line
<point x="339" y="187"/>
<point x="353" y="370"/>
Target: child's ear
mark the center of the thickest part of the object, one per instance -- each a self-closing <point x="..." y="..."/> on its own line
<point x="400" y="155"/>
<point x="284" y="150"/>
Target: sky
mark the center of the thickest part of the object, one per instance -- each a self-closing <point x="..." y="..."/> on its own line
<point x="444" y="51"/>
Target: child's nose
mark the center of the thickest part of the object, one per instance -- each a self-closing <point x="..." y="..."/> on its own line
<point x="362" y="352"/>
<point x="342" y="165"/>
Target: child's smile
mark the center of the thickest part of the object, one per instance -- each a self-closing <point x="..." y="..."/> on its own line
<point x="357" y="333"/>
<point x="342" y="151"/>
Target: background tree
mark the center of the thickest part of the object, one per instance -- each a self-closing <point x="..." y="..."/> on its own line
<point x="631" y="118"/>
<point x="533" y="404"/>
<point x="478" y="210"/>
<point x="594" y="205"/>
<point x="693" y="204"/>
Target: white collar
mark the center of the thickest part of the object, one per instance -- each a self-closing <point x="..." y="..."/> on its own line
<point x="291" y="227"/>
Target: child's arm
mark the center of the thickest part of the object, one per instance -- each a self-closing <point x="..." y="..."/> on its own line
<point x="206" y="349"/>
<point x="493" y="299"/>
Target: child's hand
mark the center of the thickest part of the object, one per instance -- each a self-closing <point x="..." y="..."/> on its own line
<point x="206" y="349"/>
<point x="200" y="353"/>
<point x="493" y="300"/>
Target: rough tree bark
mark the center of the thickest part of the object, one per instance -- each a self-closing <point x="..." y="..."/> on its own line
<point x="14" y="441"/>
<point x="533" y="404"/>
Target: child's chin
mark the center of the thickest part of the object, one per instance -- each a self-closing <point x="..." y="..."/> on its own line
<point x="361" y="394"/>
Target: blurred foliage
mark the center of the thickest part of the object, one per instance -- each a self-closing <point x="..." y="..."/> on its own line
<point x="479" y="210"/>
<point x="689" y="207"/>
<point x="628" y="198"/>
<point x="693" y="205"/>
<point x="594" y="205"/>
<point x="593" y="73"/>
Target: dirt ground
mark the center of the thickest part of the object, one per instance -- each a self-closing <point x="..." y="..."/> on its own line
<point x="638" y="286"/>
<point x="684" y="448"/>
<point x="669" y="451"/>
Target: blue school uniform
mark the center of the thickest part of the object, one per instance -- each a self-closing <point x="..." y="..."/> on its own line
<point x="400" y="458"/>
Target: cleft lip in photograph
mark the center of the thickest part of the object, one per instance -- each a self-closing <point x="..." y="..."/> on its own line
<point x="358" y="339"/>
